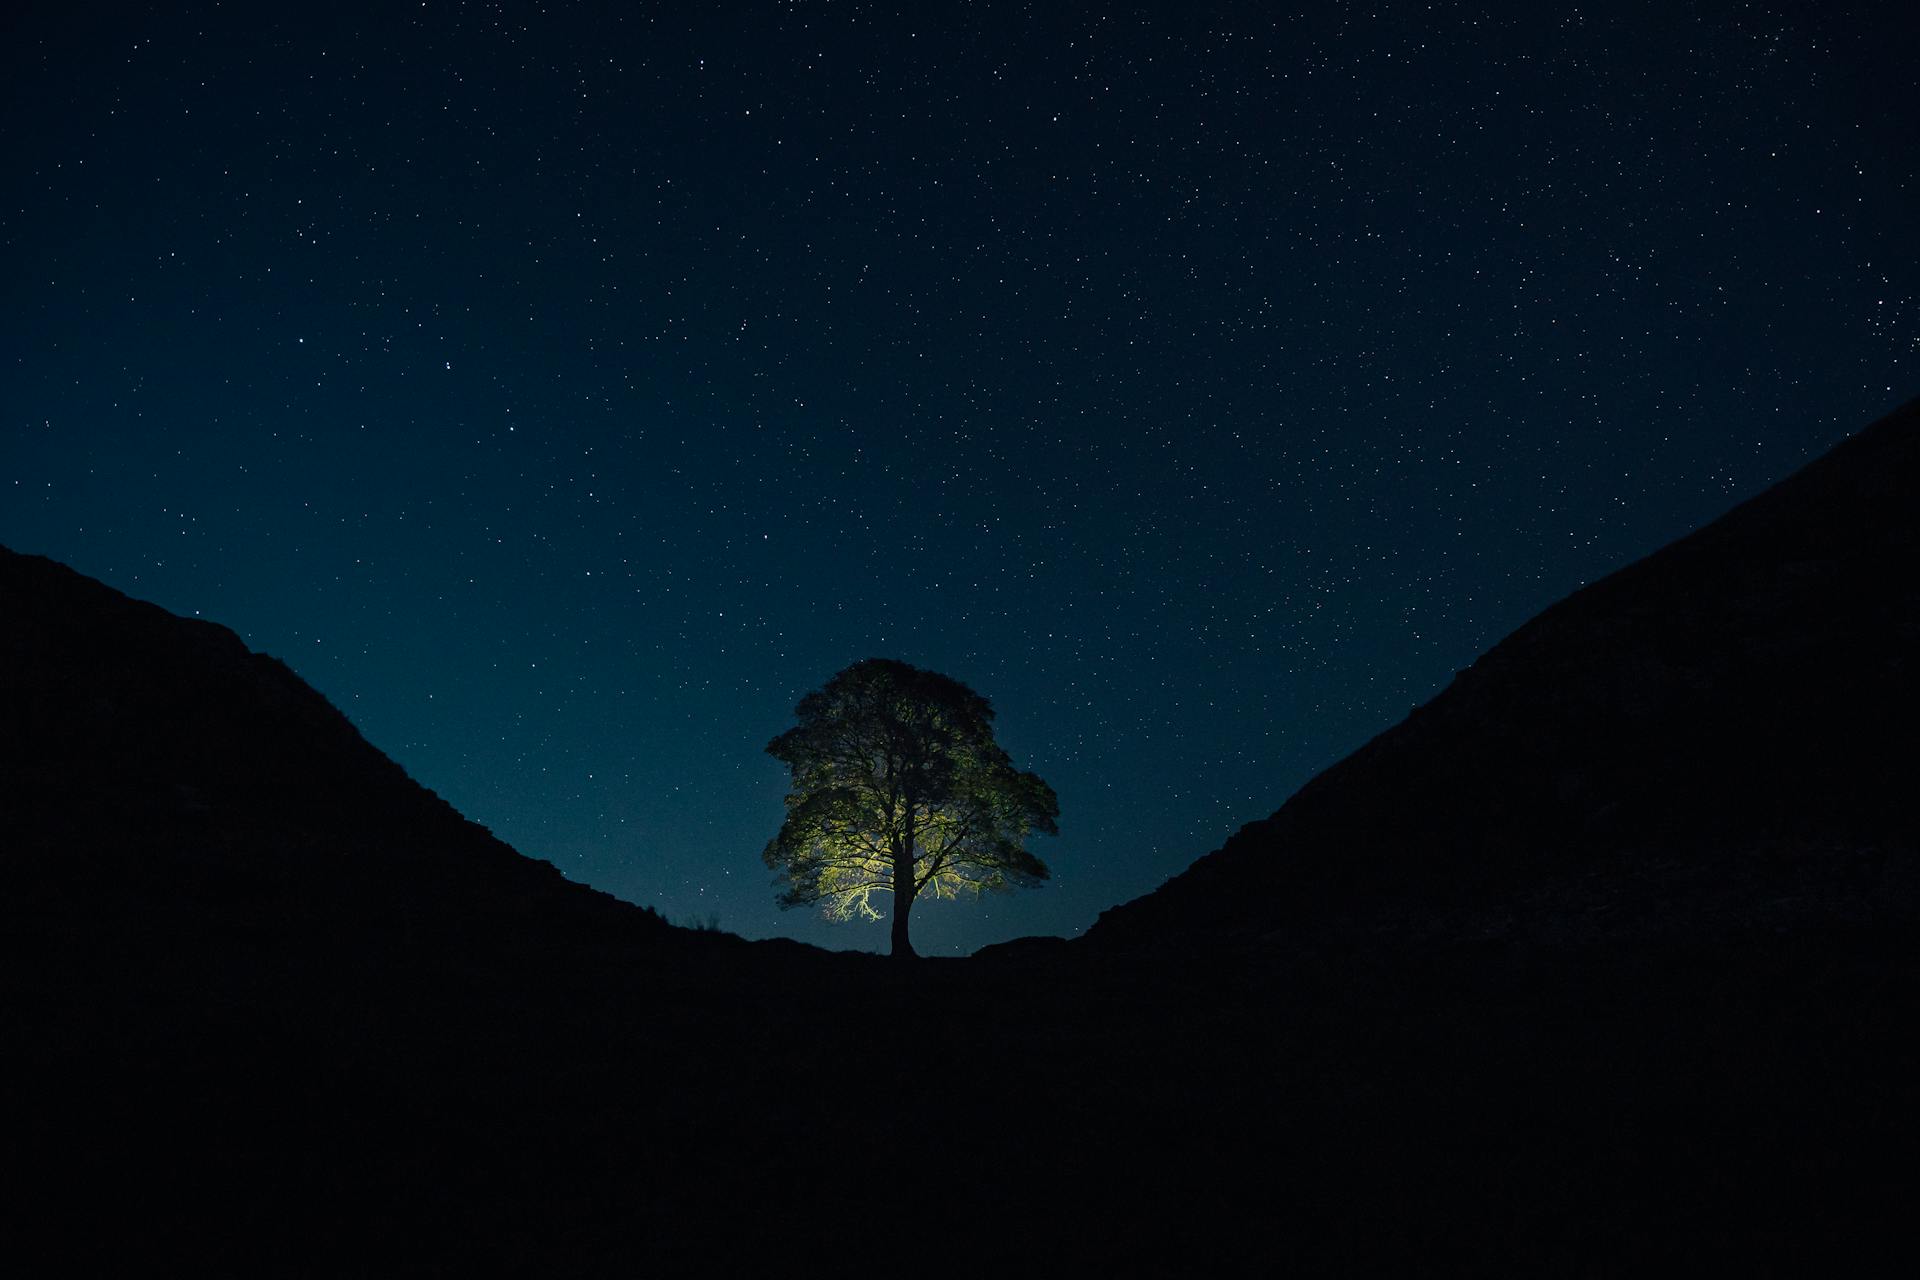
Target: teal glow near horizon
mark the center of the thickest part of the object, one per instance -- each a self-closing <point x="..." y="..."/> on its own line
<point x="565" y="393"/>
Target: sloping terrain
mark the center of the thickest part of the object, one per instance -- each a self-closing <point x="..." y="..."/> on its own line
<point x="240" y="942"/>
<point x="1605" y="959"/>
<point x="1711" y="734"/>
<point x="272" y="1007"/>
<point x="129" y="728"/>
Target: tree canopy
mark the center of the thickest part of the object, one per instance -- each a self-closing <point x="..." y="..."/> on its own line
<point x="899" y="787"/>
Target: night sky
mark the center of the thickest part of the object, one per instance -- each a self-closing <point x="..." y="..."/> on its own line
<point x="565" y="390"/>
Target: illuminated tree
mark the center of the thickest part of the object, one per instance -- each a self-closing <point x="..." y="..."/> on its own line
<point x="898" y="787"/>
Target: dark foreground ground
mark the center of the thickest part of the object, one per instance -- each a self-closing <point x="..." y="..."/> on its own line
<point x="629" y="1099"/>
<point x="1602" y="962"/>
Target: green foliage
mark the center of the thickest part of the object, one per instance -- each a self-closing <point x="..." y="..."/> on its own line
<point x="898" y="787"/>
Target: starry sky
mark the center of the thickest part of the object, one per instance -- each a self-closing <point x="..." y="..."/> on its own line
<point x="565" y="390"/>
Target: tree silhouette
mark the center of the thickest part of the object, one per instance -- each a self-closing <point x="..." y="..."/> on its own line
<point x="898" y="787"/>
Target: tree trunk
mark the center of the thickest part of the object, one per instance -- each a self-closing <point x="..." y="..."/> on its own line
<point x="902" y="898"/>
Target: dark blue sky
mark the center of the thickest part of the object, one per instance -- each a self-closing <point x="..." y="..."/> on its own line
<point x="566" y="390"/>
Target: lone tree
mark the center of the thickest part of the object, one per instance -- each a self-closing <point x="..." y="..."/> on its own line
<point x="899" y="787"/>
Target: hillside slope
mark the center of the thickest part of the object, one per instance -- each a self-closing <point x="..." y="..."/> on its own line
<point x="144" y="746"/>
<point x="1604" y="960"/>
<point x="273" y="1008"/>
<point x="1733" y="710"/>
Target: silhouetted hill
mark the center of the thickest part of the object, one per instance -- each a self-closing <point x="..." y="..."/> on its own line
<point x="255" y="977"/>
<point x="1604" y="961"/>
<point x="273" y="1008"/>
<point x="1715" y="737"/>
<point x="140" y="743"/>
